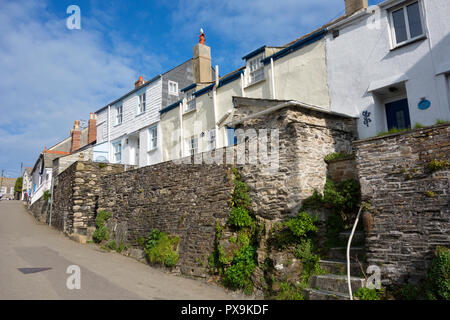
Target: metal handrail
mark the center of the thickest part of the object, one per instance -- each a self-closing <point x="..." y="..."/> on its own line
<point x="348" y="253"/>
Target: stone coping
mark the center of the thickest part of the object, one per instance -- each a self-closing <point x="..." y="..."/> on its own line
<point x="402" y="133"/>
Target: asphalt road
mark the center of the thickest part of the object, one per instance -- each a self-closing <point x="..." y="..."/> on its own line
<point x="25" y="244"/>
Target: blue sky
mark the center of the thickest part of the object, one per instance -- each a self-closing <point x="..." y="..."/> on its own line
<point x="51" y="76"/>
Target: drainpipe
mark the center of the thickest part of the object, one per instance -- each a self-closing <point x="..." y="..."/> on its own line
<point x="242" y="85"/>
<point x="181" y="128"/>
<point x="273" y="78"/>
<point x="216" y="84"/>
<point x="348" y="254"/>
<point x="109" y="133"/>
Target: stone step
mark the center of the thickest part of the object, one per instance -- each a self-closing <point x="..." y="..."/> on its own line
<point x="340" y="267"/>
<point x="316" y="294"/>
<point x="335" y="283"/>
<point x="340" y="253"/>
<point x="358" y="237"/>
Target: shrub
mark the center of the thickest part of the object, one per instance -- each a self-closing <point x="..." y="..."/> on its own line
<point x="239" y="217"/>
<point x="238" y="275"/>
<point x="310" y="261"/>
<point x="438" y="276"/>
<point x="101" y="232"/>
<point x="290" y="292"/>
<point x="368" y="294"/>
<point x="47" y="195"/>
<point x="159" y="248"/>
<point x="302" y="225"/>
<point x="409" y="291"/>
<point x="18" y="185"/>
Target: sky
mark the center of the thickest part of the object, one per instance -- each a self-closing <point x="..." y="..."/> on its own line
<point x="51" y="76"/>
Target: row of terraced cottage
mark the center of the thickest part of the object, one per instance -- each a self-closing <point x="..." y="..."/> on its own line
<point x="162" y="155"/>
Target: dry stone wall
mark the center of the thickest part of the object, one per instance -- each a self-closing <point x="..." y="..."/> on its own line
<point x="410" y="205"/>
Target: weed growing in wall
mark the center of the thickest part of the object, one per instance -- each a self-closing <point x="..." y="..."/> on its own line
<point x="438" y="276"/>
<point x="161" y="249"/>
<point x="338" y="156"/>
<point x="368" y="294"/>
<point x="101" y="232"/>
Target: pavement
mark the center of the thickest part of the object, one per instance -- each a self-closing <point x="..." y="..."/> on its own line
<point x="34" y="259"/>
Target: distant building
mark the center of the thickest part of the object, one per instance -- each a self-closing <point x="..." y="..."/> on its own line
<point x="7" y="188"/>
<point x="26" y="183"/>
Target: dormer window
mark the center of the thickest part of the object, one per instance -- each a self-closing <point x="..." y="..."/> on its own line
<point x="406" y="23"/>
<point x="255" y="68"/>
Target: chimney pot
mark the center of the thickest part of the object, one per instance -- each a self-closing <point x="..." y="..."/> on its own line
<point x="140" y="82"/>
<point x="92" y="128"/>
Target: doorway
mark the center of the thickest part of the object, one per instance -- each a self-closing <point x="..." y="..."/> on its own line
<point x="397" y="114"/>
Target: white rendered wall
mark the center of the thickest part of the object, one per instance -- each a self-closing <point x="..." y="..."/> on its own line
<point x="361" y="55"/>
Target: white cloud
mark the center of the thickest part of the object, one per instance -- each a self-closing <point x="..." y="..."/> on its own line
<point x="51" y="76"/>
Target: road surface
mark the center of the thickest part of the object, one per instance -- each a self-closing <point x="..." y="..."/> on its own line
<point x="34" y="259"/>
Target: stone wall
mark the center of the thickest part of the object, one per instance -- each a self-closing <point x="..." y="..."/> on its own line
<point x="75" y="197"/>
<point x="410" y="205"/>
<point x="305" y="137"/>
<point x="340" y="170"/>
<point x="185" y="200"/>
<point x="40" y="210"/>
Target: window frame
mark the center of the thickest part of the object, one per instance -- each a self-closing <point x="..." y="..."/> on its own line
<point x="212" y="141"/>
<point x="116" y="118"/>
<point x="115" y="152"/>
<point x="190" y="100"/>
<point x="259" y="68"/>
<point x="171" y="92"/>
<point x="152" y="137"/>
<point x="142" y="104"/>
<point x="409" y="39"/>
<point x="192" y="141"/>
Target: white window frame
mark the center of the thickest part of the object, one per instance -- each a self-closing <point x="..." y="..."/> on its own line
<point x="141" y="108"/>
<point x="192" y="144"/>
<point x="173" y="88"/>
<point x="190" y="102"/>
<point x="153" y="138"/>
<point x="212" y="139"/>
<point x="407" y="24"/>
<point x="255" y="68"/>
<point x="119" y="115"/>
<point x="116" y="152"/>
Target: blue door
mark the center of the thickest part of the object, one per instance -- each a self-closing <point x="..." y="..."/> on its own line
<point x="397" y="114"/>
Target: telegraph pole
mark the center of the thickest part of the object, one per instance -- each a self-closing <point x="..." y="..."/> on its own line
<point x="1" y="182"/>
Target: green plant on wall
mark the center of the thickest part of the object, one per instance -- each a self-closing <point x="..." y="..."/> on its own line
<point x="47" y="195"/>
<point x="368" y="294"/>
<point x="160" y="248"/>
<point x="101" y="232"/>
<point x="438" y="276"/>
<point x="337" y="156"/>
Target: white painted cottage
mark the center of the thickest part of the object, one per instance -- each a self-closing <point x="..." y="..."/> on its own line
<point x="389" y="64"/>
<point x="128" y="129"/>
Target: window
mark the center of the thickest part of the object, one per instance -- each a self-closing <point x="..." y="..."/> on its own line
<point x="141" y="106"/>
<point x="119" y="114"/>
<point x="193" y="145"/>
<point x="173" y="88"/>
<point x="117" y="152"/>
<point x="153" y="138"/>
<point x="212" y="139"/>
<point x="190" y="102"/>
<point x="232" y="139"/>
<point x="256" y="69"/>
<point x="406" y="23"/>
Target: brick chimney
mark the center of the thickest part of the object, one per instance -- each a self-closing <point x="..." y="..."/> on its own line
<point x="139" y="83"/>
<point x="351" y="6"/>
<point x="92" y="128"/>
<point x="202" y="61"/>
<point x="76" y="136"/>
